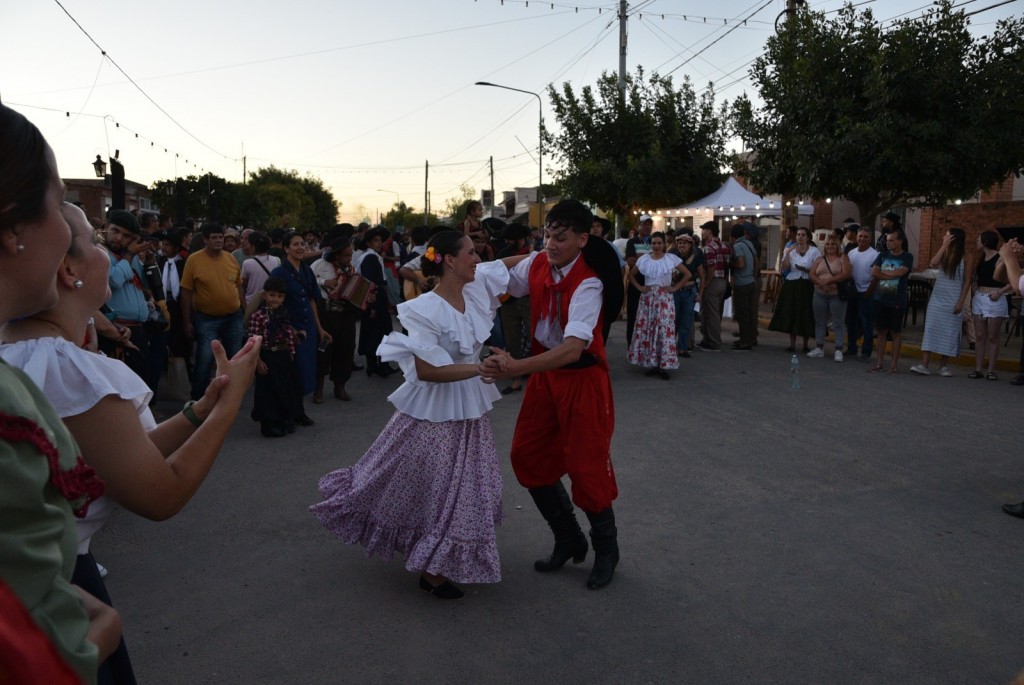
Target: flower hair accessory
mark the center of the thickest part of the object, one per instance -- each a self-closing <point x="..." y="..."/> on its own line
<point x="433" y="255"/>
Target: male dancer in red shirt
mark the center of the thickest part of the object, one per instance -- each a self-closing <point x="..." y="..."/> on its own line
<point x="567" y="417"/>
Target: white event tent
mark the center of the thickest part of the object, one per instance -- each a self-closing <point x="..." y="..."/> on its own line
<point x="727" y="204"/>
<point x="730" y="200"/>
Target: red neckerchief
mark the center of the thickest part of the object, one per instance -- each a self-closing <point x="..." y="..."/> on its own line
<point x="550" y="303"/>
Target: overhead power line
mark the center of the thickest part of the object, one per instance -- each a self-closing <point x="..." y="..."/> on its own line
<point x="139" y="88"/>
<point x="716" y="40"/>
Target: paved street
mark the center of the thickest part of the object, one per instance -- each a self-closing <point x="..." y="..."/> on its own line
<point x="846" y="533"/>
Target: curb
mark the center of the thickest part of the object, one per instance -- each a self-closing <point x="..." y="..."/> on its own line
<point x="910" y="350"/>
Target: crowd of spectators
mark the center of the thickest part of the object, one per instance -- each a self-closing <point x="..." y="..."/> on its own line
<point x="78" y="433"/>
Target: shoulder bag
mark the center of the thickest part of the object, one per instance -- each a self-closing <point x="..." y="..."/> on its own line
<point x="847" y="290"/>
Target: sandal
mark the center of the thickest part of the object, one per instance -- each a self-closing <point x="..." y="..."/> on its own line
<point x="974" y="374"/>
<point x="991" y="376"/>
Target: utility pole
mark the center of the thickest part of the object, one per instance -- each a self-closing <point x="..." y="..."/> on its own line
<point x="619" y="229"/>
<point x="426" y="191"/>
<point x="623" y="18"/>
<point x="491" y="208"/>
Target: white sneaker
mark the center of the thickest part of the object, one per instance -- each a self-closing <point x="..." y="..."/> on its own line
<point x="816" y="353"/>
<point x="839" y="356"/>
<point x="921" y="370"/>
<point x="945" y="372"/>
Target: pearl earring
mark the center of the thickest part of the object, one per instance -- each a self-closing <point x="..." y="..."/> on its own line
<point x="78" y="283"/>
<point x="21" y="248"/>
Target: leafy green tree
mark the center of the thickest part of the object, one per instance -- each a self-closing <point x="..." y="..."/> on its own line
<point x="402" y="215"/>
<point x="305" y="200"/>
<point x="455" y="206"/>
<point x="915" y="113"/>
<point x="659" y="145"/>
<point x="270" y="195"/>
<point x="206" y="196"/>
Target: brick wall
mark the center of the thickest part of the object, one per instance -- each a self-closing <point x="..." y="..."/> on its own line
<point x="972" y="218"/>
<point x="1001" y="192"/>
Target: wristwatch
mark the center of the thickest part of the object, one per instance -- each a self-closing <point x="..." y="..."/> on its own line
<point x="189" y="414"/>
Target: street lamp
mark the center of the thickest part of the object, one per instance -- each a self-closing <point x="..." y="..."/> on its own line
<point x="398" y="199"/>
<point x="540" y="136"/>
<point x="100" y="167"/>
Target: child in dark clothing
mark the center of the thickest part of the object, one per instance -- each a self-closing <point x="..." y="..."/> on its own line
<point x="277" y="403"/>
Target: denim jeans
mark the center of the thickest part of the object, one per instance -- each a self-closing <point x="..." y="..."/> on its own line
<point x="865" y="324"/>
<point x="228" y="330"/>
<point x="684" y="299"/>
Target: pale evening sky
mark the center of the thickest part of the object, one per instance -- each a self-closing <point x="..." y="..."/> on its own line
<point x="359" y="94"/>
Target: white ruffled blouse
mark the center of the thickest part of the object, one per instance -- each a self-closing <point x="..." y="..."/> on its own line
<point x="658" y="271"/>
<point x="440" y="335"/>
<point x="75" y="380"/>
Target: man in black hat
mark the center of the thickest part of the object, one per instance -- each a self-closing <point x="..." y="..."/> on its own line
<point x="636" y="248"/>
<point x="129" y="302"/>
<point x="172" y="267"/>
<point x="515" y="311"/>
<point x="890" y="223"/>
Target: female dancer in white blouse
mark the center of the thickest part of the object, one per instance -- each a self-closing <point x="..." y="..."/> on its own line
<point x="654" y="336"/>
<point x="430" y="485"/>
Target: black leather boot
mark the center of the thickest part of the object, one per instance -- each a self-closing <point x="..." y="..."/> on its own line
<point x="604" y="536"/>
<point x="1015" y="509"/>
<point x="570" y="542"/>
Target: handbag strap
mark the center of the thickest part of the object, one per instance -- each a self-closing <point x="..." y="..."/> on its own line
<point x="262" y="265"/>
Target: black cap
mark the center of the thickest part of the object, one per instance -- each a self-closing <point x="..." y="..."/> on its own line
<point x="172" y="236"/>
<point x="125" y="220"/>
<point x="515" y="232"/>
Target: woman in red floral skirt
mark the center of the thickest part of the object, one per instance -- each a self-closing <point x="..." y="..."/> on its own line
<point x="654" y="335"/>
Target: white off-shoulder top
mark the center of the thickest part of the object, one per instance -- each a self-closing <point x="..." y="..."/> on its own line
<point x="658" y="271"/>
<point x="75" y="380"/>
<point x="441" y="335"/>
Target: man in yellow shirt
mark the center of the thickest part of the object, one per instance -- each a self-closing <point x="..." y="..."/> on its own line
<point x="211" y="304"/>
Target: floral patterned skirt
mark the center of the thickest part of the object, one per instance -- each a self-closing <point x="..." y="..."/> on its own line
<point x="654" y="335"/>
<point x="428" y="490"/>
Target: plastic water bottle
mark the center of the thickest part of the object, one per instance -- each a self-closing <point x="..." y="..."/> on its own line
<point x="794" y="374"/>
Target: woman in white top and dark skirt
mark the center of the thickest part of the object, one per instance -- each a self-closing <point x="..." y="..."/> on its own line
<point x="376" y="321"/>
<point x="794" y="311"/>
<point x="430" y="485"/>
<point x="654" y="335"/>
